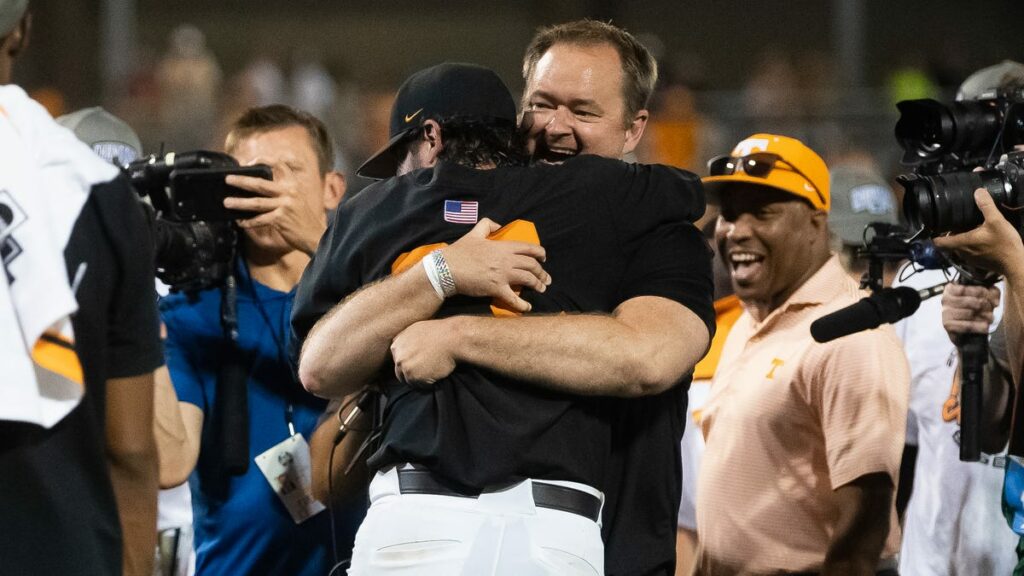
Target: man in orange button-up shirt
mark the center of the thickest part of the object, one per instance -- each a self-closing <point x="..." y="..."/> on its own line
<point x="803" y="439"/>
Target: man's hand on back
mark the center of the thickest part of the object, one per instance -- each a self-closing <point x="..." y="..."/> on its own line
<point x="482" y="267"/>
<point x="423" y="352"/>
<point x="348" y="346"/>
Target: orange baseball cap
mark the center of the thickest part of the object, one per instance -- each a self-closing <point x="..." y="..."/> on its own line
<point x="797" y="169"/>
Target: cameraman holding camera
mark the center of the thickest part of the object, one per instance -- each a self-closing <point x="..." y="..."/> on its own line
<point x="260" y="521"/>
<point x="995" y="246"/>
<point x="940" y="539"/>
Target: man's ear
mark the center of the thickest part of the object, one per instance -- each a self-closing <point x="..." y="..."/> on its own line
<point x="435" y="141"/>
<point x="334" y="189"/>
<point x="635" y="131"/>
<point x="820" y="217"/>
<point x="819" y="220"/>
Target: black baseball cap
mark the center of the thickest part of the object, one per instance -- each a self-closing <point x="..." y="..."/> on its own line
<point x="448" y="90"/>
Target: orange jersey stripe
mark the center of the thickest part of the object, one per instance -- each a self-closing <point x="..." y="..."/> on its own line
<point x="58" y="358"/>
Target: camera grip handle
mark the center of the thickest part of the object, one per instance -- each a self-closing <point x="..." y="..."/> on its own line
<point x="973" y="349"/>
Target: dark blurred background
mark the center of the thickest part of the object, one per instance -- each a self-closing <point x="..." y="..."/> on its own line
<point x="827" y="71"/>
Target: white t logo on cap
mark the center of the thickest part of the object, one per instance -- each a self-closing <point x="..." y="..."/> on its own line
<point x="750" y="145"/>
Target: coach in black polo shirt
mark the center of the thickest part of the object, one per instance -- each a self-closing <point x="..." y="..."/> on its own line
<point x="613" y="233"/>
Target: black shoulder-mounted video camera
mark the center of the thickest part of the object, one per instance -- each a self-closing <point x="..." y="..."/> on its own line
<point x="194" y="234"/>
<point x="195" y="240"/>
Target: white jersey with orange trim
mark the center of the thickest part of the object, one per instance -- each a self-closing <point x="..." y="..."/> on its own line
<point x="46" y="175"/>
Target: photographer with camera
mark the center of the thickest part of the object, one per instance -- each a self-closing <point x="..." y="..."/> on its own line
<point x="257" y="516"/>
<point x="938" y="540"/>
<point x="961" y="399"/>
<point x="996" y="246"/>
<point x="78" y="489"/>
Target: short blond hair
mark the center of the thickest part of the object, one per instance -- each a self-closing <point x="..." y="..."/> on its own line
<point x="266" y="118"/>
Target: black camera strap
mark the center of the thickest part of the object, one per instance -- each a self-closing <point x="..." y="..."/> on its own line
<point x="277" y="332"/>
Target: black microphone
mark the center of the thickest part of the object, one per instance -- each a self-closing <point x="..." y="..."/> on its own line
<point x="884" y="306"/>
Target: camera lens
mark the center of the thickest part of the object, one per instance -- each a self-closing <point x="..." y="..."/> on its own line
<point x="976" y="124"/>
<point x="924" y="130"/>
<point x="173" y="243"/>
<point x="945" y="202"/>
<point x="927" y="129"/>
<point x="193" y="255"/>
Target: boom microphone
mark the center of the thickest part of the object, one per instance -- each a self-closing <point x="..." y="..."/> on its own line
<point x="884" y="306"/>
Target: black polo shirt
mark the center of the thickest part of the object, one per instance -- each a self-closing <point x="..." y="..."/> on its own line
<point x="612" y="231"/>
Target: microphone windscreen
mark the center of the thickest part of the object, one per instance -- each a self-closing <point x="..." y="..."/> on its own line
<point x="884" y="306"/>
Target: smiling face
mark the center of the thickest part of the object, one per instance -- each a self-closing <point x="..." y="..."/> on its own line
<point x="574" y="104"/>
<point x="772" y="242"/>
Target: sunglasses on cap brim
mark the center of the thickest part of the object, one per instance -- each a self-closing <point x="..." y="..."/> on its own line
<point x="758" y="165"/>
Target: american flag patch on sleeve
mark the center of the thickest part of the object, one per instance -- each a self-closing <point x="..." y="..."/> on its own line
<point x="460" y="211"/>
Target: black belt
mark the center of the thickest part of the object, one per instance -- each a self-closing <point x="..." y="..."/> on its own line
<point x="887" y="571"/>
<point x="881" y="572"/>
<point x="544" y="495"/>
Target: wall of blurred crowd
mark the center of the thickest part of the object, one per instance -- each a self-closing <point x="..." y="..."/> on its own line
<point x="826" y="71"/>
